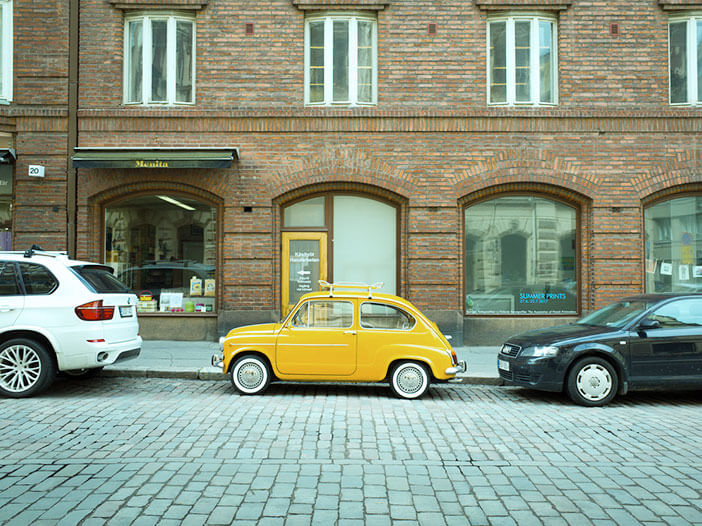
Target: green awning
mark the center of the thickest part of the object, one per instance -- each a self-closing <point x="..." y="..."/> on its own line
<point x="154" y="157"/>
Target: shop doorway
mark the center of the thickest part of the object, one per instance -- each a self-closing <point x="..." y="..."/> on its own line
<point x="337" y="237"/>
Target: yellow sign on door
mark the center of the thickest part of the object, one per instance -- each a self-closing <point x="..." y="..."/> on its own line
<point x="304" y="263"/>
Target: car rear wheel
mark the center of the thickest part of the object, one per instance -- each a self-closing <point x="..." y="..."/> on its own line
<point x="26" y="368"/>
<point x="250" y="375"/>
<point x="592" y="382"/>
<point x="409" y="380"/>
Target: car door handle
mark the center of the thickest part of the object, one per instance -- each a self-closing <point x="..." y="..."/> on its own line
<point x="350" y="332"/>
<point x="6" y="308"/>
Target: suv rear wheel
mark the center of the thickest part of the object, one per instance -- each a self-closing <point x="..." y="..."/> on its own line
<point x="26" y="368"/>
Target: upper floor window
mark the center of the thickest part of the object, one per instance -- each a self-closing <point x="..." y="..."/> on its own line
<point x="159" y="65"/>
<point x="5" y="50"/>
<point x="522" y="63"/>
<point x="340" y="60"/>
<point x="685" y="50"/>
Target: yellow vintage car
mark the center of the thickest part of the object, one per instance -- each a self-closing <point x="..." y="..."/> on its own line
<point x="344" y="333"/>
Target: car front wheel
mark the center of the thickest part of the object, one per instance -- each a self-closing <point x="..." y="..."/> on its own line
<point x="409" y="380"/>
<point x="250" y="375"/>
<point x="26" y="368"/>
<point x="592" y="382"/>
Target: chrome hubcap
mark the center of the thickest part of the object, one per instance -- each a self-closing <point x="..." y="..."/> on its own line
<point x="594" y="382"/>
<point x="20" y="368"/>
<point x="410" y="379"/>
<point x="250" y="375"/>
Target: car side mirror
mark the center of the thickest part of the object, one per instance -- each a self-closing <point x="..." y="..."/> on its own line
<point x="648" y="324"/>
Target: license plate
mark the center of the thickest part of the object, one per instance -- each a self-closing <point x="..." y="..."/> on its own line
<point x="126" y="312"/>
<point x="501" y="364"/>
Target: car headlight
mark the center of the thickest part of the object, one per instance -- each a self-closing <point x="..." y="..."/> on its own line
<point x="540" y="351"/>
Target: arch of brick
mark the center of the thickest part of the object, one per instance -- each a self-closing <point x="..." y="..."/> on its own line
<point x="515" y="167"/>
<point x="682" y="174"/>
<point x="341" y="166"/>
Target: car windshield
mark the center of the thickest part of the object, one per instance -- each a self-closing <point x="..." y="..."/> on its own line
<point x="616" y="315"/>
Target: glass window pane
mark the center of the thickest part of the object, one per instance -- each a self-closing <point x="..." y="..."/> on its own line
<point x="37" y="279"/>
<point x="699" y="60"/>
<point x="166" y="248"/>
<point x="134" y="59"/>
<point x="3" y="58"/>
<point x="365" y="241"/>
<point x="521" y="257"/>
<point x="341" y="61"/>
<point x="545" y="61"/>
<point x="184" y="61"/>
<point x="308" y="213"/>
<point x="159" y="64"/>
<point x="673" y="245"/>
<point x="381" y="316"/>
<point x="498" y="62"/>
<point x="365" y="61"/>
<point x="678" y="62"/>
<point x="330" y="314"/>
<point x="8" y="280"/>
<point x="316" y="53"/>
<point x="304" y="267"/>
<point x="522" y="45"/>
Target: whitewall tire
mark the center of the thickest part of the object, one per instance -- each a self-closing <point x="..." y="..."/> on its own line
<point x="409" y="380"/>
<point x="250" y="374"/>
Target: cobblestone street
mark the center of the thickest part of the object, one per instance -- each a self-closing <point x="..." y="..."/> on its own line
<point x="117" y="450"/>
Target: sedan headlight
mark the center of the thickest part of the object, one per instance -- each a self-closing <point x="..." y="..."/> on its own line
<point x="540" y="351"/>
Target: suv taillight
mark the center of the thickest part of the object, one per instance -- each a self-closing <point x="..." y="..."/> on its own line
<point x="94" y="311"/>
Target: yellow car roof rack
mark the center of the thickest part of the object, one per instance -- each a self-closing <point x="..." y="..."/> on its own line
<point x="344" y="285"/>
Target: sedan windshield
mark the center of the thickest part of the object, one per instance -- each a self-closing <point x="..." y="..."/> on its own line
<point x="616" y="315"/>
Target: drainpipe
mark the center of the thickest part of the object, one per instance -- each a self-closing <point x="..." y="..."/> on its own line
<point x="72" y="139"/>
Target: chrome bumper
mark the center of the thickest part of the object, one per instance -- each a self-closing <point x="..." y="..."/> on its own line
<point x="218" y="360"/>
<point x="460" y="368"/>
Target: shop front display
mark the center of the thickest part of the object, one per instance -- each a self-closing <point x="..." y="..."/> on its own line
<point x="163" y="247"/>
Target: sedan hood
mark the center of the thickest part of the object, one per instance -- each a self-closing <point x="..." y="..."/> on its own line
<point x="261" y="329"/>
<point x="573" y="332"/>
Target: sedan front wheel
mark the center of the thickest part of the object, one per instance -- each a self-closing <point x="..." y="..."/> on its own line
<point x="250" y="374"/>
<point x="592" y="382"/>
<point x="26" y="368"/>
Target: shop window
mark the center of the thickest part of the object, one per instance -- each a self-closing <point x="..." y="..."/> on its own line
<point x="673" y="234"/>
<point x="159" y="64"/>
<point x="6" y="50"/>
<point x="5" y="223"/>
<point x="522" y="63"/>
<point x="685" y="60"/>
<point x="163" y="247"/>
<point x="340" y="60"/>
<point x="520" y="257"/>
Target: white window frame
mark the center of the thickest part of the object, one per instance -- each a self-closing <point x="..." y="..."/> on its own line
<point x="353" y="19"/>
<point x="691" y="53"/>
<point x="534" y="77"/>
<point x="146" y="18"/>
<point x="7" y="52"/>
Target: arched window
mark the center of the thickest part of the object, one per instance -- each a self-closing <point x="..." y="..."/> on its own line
<point x="520" y="256"/>
<point x="673" y="233"/>
<point x="164" y="246"/>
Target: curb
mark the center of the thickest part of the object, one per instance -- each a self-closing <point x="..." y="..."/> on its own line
<point x="213" y="374"/>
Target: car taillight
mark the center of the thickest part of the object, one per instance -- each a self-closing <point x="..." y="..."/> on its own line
<point x="94" y="311"/>
<point x="454" y="357"/>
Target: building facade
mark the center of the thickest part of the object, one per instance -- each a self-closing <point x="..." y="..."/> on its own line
<point x="503" y="164"/>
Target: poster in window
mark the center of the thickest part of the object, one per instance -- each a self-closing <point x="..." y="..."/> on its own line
<point x="651" y="266"/>
<point x="697" y="271"/>
<point x="666" y="269"/>
<point x="684" y="273"/>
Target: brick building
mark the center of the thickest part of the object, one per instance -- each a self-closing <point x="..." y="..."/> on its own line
<point x="501" y="163"/>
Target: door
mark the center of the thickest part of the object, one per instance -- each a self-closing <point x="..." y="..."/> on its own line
<point x="318" y="340"/>
<point x="304" y="263"/>
<point x="11" y="298"/>
<point x="674" y="350"/>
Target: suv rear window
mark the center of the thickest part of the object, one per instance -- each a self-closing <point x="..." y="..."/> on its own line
<point x="100" y="278"/>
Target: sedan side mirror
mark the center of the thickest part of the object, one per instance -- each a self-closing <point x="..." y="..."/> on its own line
<point x="647" y="324"/>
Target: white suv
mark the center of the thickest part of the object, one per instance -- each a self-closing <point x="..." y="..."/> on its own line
<point x="58" y="314"/>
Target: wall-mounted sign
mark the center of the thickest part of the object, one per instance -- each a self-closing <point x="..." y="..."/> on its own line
<point x="36" y="170"/>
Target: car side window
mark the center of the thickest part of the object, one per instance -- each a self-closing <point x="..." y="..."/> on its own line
<point x="37" y="279"/>
<point x="8" y="279"/>
<point x="329" y="314"/>
<point x="682" y="313"/>
<point x="382" y="316"/>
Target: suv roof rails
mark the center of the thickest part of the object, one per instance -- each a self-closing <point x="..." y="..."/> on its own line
<point x="350" y="286"/>
<point x="36" y="249"/>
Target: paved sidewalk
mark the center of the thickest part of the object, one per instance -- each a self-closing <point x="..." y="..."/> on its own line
<point x="178" y="359"/>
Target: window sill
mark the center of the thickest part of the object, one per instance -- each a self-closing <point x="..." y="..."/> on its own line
<point x="542" y="5"/>
<point x="194" y="5"/>
<point x="177" y="314"/>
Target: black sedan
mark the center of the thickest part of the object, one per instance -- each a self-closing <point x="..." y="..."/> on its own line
<point x="653" y="340"/>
